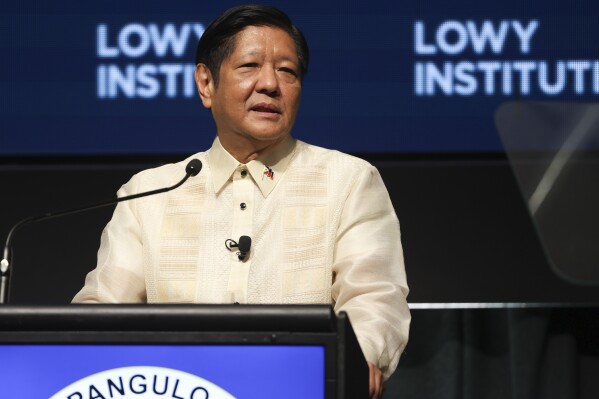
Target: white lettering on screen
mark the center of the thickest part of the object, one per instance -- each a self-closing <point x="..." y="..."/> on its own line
<point x="152" y="54"/>
<point x="443" y="74"/>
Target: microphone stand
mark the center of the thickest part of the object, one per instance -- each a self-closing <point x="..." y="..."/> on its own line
<point x="192" y="169"/>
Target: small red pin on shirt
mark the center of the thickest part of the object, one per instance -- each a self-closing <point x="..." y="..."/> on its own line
<point x="268" y="172"/>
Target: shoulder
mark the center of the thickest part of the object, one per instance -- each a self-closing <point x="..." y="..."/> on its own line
<point x="163" y="175"/>
<point x="335" y="172"/>
<point x="315" y="156"/>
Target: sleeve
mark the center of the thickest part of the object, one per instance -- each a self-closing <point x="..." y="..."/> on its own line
<point x="118" y="276"/>
<point x="369" y="273"/>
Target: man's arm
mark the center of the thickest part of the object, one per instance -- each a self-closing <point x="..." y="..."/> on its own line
<point x="369" y="275"/>
<point x="376" y="382"/>
<point x="118" y="276"/>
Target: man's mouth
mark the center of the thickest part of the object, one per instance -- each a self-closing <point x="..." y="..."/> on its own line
<point x="266" y="108"/>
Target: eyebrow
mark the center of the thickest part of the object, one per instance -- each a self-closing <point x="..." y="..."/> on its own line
<point x="259" y="52"/>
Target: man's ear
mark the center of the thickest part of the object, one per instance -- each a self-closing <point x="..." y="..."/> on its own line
<point x="205" y="84"/>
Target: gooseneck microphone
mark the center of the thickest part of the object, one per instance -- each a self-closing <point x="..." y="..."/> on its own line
<point x="192" y="169"/>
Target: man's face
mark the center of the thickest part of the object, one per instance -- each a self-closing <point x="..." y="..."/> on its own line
<point x="259" y="87"/>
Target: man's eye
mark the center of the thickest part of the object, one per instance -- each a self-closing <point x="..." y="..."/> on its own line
<point x="249" y="65"/>
<point x="288" y="70"/>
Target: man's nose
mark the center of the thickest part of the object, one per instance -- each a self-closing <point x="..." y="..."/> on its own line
<point x="267" y="83"/>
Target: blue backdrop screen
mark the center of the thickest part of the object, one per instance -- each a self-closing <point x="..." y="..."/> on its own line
<point x="112" y="77"/>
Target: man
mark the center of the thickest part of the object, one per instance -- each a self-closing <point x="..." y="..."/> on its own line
<point x="322" y="226"/>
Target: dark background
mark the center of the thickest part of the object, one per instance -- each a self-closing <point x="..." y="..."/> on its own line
<point x="467" y="234"/>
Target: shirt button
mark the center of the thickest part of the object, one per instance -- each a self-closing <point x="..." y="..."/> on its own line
<point x="244" y="173"/>
<point x="243" y="206"/>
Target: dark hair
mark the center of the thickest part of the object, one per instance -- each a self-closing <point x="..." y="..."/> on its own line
<point x="218" y="40"/>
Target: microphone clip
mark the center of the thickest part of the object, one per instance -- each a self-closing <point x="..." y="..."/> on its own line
<point x="244" y="245"/>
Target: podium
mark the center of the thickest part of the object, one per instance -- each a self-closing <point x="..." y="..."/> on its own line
<point x="179" y="352"/>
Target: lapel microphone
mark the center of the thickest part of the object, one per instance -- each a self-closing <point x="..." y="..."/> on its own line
<point x="244" y="245"/>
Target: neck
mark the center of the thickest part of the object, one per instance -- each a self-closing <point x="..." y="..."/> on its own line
<point x="245" y="151"/>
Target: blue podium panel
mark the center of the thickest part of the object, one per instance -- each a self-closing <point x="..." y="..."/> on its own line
<point x="74" y="371"/>
<point x="179" y="352"/>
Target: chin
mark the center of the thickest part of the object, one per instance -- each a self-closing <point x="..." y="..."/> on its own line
<point x="268" y="136"/>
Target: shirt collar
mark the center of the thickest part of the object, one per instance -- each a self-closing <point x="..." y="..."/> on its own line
<point x="266" y="171"/>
